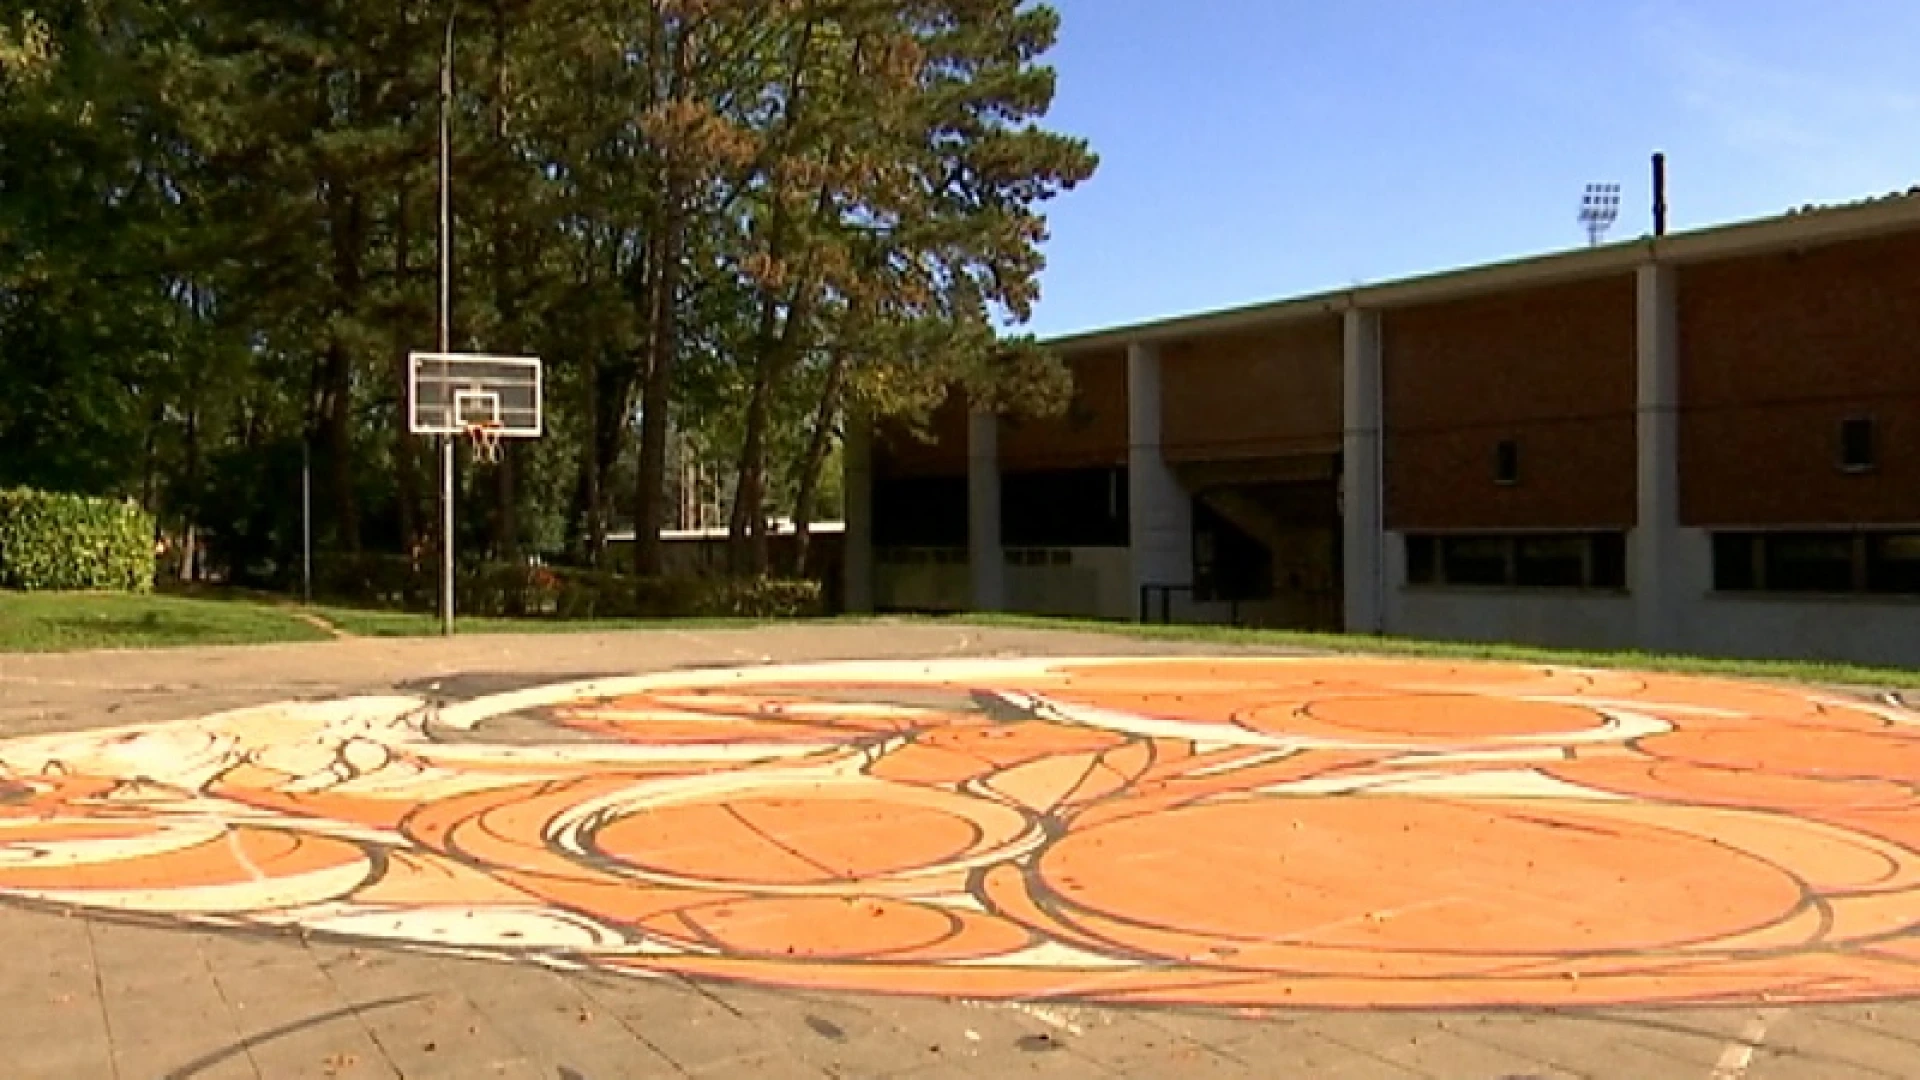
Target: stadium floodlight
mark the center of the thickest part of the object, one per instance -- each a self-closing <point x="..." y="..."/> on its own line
<point x="1599" y="209"/>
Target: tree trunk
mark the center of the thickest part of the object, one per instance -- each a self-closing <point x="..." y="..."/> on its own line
<point x="650" y="489"/>
<point x="405" y="458"/>
<point x="149" y="451"/>
<point x="348" y="222"/>
<point x="663" y="333"/>
<point x="614" y="393"/>
<point x="807" y="481"/>
<point x="506" y="524"/>
<point x="337" y="418"/>
<point x="746" y="552"/>
<point x="192" y="502"/>
<point x="778" y="355"/>
<point x="592" y="476"/>
<point x="748" y="547"/>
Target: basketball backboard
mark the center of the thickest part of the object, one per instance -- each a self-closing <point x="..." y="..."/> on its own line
<point x="453" y="393"/>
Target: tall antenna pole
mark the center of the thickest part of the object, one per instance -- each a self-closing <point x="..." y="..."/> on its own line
<point x="446" y="322"/>
<point x="1659" y="194"/>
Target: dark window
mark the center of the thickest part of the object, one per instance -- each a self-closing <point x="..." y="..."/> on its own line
<point x="1817" y="562"/>
<point x="1506" y="462"/>
<point x="1064" y="508"/>
<point x="1475" y="560"/>
<point x="1857" y="444"/>
<point x="1808" y="562"/>
<point x="1577" y="560"/>
<point x="1423" y="561"/>
<point x="1557" y="562"/>
<point x="1893" y="564"/>
<point x="1735" y="569"/>
<point x="1608" y="566"/>
<point x="918" y="511"/>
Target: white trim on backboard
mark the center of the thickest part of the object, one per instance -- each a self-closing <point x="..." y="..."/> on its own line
<point x="462" y="398"/>
<point x="418" y="360"/>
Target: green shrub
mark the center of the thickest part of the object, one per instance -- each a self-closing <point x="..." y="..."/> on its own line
<point x="52" y="541"/>
<point x="512" y="590"/>
<point x="381" y="581"/>
<point x="761" y="598"/>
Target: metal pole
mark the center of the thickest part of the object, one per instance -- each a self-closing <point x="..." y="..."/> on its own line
<point x="446" y="320"/>
<point x="1659" y="194"/>
<point x="306" y="522"/>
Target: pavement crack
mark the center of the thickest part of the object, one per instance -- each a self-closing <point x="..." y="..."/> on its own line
<point x="583" y="988"/>
<point x="100" y="995"/>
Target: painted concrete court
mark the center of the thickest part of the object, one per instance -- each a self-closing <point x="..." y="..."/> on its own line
<point x="926" y="850"/>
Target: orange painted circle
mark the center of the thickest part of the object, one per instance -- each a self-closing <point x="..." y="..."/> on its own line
<point x="1795" y="752"/>
<point x="758" y="840"/>
<point x="1414" y="875"/>
<point x="1708" y="785"/>
<point x="842" y="928"/>
<point x="1015" y="742"/>
<point x="1436" y="716"/>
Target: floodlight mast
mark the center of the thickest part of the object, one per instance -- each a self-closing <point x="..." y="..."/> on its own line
<point x="445" y="335"/>
<point x="1599" y="209"/>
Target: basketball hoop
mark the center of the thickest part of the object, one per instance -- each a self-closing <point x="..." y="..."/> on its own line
<point x="486" y="398"/>
<point x="485" y="440"/>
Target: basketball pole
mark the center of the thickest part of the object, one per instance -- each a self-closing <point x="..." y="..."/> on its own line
<point x="446" y="328"/>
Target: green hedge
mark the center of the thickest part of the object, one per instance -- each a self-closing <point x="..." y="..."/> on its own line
<point x="496" y="590"/>
<point x="52" y="541"/>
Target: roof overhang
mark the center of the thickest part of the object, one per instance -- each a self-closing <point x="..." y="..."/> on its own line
<point x="1794" y="231"/>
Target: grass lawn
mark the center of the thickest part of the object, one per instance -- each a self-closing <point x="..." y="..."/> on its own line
<point x="57" y="622"/>
<point x="51" y="622"/>
<point x="1833" y="674"/>
<point x="62" y="622"/>
<point x="359" y="622"/>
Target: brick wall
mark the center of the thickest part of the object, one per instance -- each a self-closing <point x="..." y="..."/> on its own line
<point x="1252" y="395"/>
<point x="898" y="452"/>
<point x="1551" y="369"/>
<point x="1092" y="432"/>
<point x="1776" y="351"/>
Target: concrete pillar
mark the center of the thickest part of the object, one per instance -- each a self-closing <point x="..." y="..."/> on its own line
<point x="1655" y="560"/>
<point x="1160" y="526"/>
<point x="857" y="555"/>
<point x="984" y="554"/>
<point x="1363" y="517"/>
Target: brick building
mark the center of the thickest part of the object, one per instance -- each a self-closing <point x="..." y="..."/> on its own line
<point x="1705" y="442"/>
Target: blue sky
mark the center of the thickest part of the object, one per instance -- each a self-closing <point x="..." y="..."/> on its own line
<point x="1256" y="149"/>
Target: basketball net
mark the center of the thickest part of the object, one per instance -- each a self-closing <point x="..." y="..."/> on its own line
<point x="485" y="440"/>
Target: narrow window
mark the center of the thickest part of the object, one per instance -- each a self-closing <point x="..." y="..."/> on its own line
<point x="1608" y="569"/>
<point x="1857" y="450"/>
<point x="1422" y="558"/>
<point x="1506" y="462"/>
<point x="1734" y="567"/>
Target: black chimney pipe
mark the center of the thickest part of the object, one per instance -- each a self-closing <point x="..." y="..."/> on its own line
<point x="1659" y="194"/>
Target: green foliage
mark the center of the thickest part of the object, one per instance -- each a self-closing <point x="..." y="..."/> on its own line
<point x="499" y="590"/>
<point x="50" y="541"/>
<point x="218" y="242"/>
